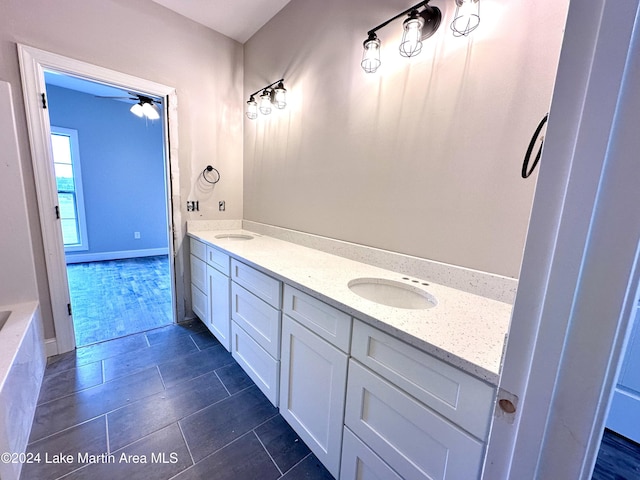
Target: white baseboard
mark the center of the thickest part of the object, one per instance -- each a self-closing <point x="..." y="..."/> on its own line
<point x="50" y="347"/>
<point x="102" y="256"/>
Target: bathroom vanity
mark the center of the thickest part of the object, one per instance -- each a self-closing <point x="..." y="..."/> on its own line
<point x="383" y="375"/>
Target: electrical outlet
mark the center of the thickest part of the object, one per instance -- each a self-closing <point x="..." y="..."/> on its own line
<point x="136" y="235"/>
<point x="193" y="205"/>
<point x="221" y="205"/>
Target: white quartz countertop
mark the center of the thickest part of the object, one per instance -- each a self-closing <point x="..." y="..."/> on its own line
<point x="463" y="329"/>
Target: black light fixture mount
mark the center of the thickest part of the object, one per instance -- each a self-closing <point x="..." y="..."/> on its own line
<point x="419" y="25"/>
<point x="269" y="96"/>
<point x="146" y="107"/>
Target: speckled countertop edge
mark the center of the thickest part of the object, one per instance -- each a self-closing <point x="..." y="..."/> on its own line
<point x="465" y="330"/>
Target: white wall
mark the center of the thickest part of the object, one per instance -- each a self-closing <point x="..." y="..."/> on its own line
<point x="17" y="273"/>
<point x="146" y="40"/>
<point x="422" y="157"/>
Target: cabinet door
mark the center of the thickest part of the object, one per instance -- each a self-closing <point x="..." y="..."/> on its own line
<point x="220" y="315"/>
<point x="313" y="383"/>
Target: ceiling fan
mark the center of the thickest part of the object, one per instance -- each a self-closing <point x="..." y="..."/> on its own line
<point x="144" y="107"/>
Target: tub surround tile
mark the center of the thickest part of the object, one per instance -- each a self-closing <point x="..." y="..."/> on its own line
<point x="22" y="364"/>
<point x="14" y="333"/>
<point x="214" y="427"/>
<point x="463" y="329"/>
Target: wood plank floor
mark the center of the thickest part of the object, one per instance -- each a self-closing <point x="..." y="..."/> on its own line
<point x="618" y="458"/>
<point x="115" y="298"/>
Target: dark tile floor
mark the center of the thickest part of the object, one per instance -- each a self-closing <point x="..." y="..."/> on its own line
<point x="115" y="298"/>
<point x="170" y="403"/>
<point x="618" y="458"/>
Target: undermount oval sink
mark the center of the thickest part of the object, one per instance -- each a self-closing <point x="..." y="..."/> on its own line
<point x="234" y="236"/>
<point x="392" y="293"/>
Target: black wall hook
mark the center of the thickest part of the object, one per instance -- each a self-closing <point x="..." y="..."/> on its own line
<point x="208" y="169"/>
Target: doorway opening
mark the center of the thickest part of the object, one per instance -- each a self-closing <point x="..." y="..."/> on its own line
<point x="619" y="453"/>
<point x="34" y="63"/>
<point x="110" y="166"/>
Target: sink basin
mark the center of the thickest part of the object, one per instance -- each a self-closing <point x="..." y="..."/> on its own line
<point x="392" y="293"/>
<point x="234" y="236"/>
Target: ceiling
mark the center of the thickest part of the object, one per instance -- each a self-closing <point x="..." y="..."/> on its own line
<point x="238" y="19"/>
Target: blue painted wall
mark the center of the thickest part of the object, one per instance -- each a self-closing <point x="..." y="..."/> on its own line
<point x="123" y="172"/>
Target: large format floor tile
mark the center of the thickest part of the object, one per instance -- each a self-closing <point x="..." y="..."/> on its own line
<point x="167" y="404"/>
<point x="218" y="425"/>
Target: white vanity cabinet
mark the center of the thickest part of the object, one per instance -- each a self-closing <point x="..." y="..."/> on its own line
<point x="199" y="297"/>
<point x="210" y="288"/>
<point x="313" y="375"/>
<point x="421" y="417"/>
<point x="256" y="326"/>
<point x="219" y="323"/>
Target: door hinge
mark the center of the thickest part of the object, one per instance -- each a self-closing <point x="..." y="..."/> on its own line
<point x="69" y="308"/>
<point x="57" y="212"/>
<point x="44" y="100"/>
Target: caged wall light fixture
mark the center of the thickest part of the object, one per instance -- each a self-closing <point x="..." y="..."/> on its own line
<point x="467" y="17"/>
<point x="418" y="26"/>
<point x="271" y="96"/>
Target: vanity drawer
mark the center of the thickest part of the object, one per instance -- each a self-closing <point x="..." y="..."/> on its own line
<point x="262" y="285"/>
<point x="463" y="399"/>
<point x="322" y="319"/>
<point x="415" y="441"/>
<point x="198" y="249"/>
<point x="218" y="260"/>
<point x="359" y="462"/>
<point x="199" y="303"/>
<point x="256" y="362"/>
<point x="257" y="318"/>
<point x="198" y="273"/>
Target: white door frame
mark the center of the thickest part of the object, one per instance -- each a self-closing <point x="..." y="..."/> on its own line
<point x="33" y="63"/>
<point x="579" y="274"/>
